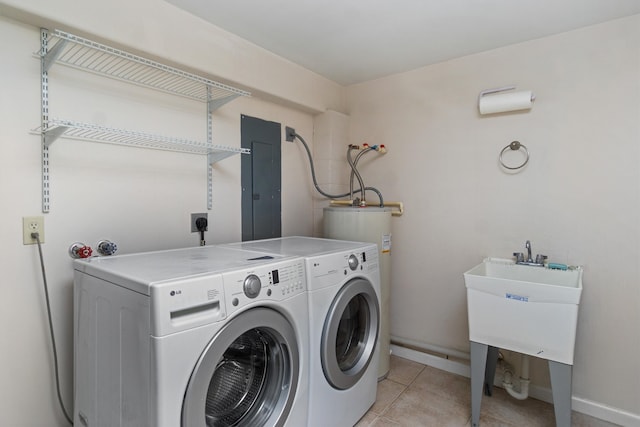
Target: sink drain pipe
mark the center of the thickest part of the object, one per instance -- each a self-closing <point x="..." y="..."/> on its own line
<point x="524" y="380"/>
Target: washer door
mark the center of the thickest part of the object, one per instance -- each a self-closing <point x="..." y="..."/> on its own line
<point x="247" y="374"/>
<point x="350" y="333"/>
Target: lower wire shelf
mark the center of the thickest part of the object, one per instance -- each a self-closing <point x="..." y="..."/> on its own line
<point x="56" y="128"/>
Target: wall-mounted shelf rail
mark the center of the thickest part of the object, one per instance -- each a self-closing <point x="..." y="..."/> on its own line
<point x="93" y="57"/>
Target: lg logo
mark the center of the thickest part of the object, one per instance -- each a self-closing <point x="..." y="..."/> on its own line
<point x="174" y="293"/>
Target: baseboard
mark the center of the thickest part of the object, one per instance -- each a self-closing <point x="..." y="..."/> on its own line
<point x="578" y="404"/>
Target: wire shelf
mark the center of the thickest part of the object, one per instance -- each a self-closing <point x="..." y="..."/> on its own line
<point x="78" y="52"/>
<point x="59" y="47"/>
<point x="56" y="128"/>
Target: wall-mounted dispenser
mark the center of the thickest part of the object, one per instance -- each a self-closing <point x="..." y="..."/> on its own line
<point x="493" y="101"/>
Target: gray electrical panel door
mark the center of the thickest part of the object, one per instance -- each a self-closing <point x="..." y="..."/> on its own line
<point x="261" y="179"/>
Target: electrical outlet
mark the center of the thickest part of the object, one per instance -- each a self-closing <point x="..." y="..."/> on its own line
<point x="194" y="217"/>
<point x="290" y="134"/>
<point x="32" y="224"/>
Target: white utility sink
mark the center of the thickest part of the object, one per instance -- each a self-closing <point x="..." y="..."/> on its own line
<point x="530" y="310"/>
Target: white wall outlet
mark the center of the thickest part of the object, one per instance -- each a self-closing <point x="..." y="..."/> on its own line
<point x="32" y="224"/>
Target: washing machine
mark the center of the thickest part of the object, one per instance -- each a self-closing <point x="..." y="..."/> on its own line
<point x="343" y="281"/>
<point x="192" y="337"/>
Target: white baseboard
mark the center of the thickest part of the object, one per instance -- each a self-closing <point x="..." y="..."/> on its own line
<point x="578" y="404"/>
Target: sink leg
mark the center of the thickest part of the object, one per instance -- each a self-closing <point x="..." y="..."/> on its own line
<point x="478" y="366"/>
<point x="560" y="374"/>
<point x="490" y="372"/>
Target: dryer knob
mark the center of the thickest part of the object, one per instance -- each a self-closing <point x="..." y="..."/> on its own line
<point x="353" y="262"/>
<point x="252" y="286"/>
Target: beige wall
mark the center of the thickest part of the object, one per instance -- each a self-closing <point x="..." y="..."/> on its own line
<point x="331" y="138"/>
<point x="578" y="199"/>
<point x="141" y="199"/>
<point x="159" y="29"/>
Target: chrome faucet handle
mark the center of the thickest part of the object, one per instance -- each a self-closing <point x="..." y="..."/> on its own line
<point x="519" y="257"/>
<point x="540" y="258"/>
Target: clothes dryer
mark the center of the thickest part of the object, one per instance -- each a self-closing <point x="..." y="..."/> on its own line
<point x="343" y="280"/>
<point x="192" y="337"/>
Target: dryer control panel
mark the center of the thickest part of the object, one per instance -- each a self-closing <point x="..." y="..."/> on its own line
<point x="327" y="270"/>
<point x="272" y="282"/>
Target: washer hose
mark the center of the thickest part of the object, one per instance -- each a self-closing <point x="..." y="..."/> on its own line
<point x="315" y="181"/>
<point x="354" y="171"/>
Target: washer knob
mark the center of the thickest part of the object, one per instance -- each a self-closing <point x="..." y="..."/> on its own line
<point x="252" y="286"/>
<point x="353" y="262"/>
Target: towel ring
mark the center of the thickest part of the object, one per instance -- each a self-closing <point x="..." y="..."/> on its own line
<point x="515" y="145"/>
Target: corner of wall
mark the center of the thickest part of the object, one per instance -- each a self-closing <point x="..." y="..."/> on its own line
<point x="330" y="137"/>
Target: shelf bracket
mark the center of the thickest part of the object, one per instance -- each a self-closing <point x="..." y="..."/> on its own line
<point x="50" y="135"/>
<point x="217" y="156"/>
<point x="214" y="104"/>
<point x="50" y="57"/>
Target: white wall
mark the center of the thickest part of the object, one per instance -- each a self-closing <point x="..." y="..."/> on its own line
<point x="141" y="199"/>
<point x="578" y="199"/>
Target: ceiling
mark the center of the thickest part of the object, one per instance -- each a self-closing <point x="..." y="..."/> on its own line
<point x="352" y="41"/>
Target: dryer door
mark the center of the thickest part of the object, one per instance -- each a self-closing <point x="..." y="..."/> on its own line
<point x="350" y="333"/>
<point x="247" y="375"/>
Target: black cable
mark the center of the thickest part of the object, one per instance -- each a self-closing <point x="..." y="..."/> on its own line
<point x="201" y="225"/>
<point x="53" y="338"/>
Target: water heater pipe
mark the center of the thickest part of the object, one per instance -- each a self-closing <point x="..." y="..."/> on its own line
<point x="398" y="205"/>
<point x="355" y="172"/>
<point x="291" y="135"/>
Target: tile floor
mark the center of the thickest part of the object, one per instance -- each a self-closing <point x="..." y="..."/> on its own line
<point x="417" y="395"/>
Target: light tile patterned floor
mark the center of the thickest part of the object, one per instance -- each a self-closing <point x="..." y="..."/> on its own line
<point x="417" y="395"/>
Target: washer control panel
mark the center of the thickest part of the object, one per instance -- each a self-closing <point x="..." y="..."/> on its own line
<point x="271" y="282"/>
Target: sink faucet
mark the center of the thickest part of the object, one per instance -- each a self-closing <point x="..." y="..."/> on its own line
<point x="539" y="261"/>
